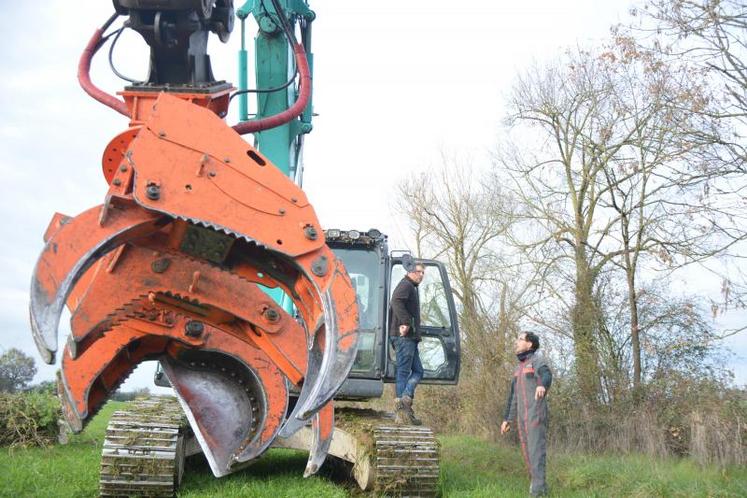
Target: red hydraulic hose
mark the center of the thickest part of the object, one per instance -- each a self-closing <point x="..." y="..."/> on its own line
<point x="293" y="111"/>
<point x="84" y="77"/>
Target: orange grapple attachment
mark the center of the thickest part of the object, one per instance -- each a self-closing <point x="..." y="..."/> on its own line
<point x="131" y="275"/>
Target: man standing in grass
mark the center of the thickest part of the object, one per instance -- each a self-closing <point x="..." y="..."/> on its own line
<point x="527" y="404"/>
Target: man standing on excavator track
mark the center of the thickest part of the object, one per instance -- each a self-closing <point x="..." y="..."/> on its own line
<point x="527" y="403"/>
<point x="404" y="332"/>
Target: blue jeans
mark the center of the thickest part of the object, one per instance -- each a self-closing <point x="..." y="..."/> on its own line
<point x="409" y="368"/>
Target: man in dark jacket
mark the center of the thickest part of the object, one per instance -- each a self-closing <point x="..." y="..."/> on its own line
<point x="404" y="334"/>
<point x="528" y="405"/>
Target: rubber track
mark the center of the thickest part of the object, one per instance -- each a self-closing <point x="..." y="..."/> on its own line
<point x="143" y="450"/>
<point x="407" y="460"/>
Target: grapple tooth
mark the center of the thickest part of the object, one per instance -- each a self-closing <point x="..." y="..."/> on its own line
<point x="339" y="345"/>
<point x="68" y="254"/>
<point x="234" y="408"/>
<point x="294" y="423"/>
<point x="322" y="427"/>
<point x="86" y="382"/>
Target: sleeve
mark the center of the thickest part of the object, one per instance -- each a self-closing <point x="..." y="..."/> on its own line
<point x="399" y="305"/>
<point x="510" y="412"/>
<point x="545" y="376"/>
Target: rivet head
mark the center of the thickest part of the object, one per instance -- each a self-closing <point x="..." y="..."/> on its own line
<point x="194" y="328"/>
<point x="123" y="168"/>
<point x="153" y="192"/>
<point x="116" y="182"/>
<point x="212" y="173"/>
<point x="162" y="134"/>
<point x="271" y="314"/>
<point x="319" y="266"/>
<point x="310" y="232"/>
<point x="160" y="265"/>
<point x="281" y="211"/>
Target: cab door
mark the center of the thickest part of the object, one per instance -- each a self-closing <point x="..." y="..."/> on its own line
<point x="440" y="349"/>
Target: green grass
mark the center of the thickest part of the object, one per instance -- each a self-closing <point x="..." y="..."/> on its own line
<point x="470" y="468"/>
<point x="474" y="468"/>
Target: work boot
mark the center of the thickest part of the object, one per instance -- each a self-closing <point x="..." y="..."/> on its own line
<point x="407" y="406"/>
<point x="400" y="414"/>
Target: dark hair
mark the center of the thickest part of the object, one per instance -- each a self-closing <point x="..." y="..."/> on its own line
<point x="533" y="338"/>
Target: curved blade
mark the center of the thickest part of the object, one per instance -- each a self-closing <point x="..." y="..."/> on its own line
<point x="85" y="383"/>
<point x="322" y="427"/>
<point x="315" y="357"/>
<point x="68" y="254"/>
<point x="235" y="409"/>
<point x="340" y="343"/>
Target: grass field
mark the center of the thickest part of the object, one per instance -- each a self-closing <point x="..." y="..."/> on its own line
<point x="470" y="468"/>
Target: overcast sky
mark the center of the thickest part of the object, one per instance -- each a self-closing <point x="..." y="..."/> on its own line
<point x="395" y="82"/>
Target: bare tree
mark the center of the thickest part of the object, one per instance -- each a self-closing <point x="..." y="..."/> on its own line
<point x="708" y="39"/>
<point x="567" y="113"/>
<point x="611" y="175"/>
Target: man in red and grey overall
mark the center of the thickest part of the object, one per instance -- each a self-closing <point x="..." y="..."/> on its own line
<point x="528" y="405"/>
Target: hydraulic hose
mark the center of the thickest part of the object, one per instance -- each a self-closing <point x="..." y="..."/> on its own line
<point x="293" y="111"/>
<point x="84" y="76"/>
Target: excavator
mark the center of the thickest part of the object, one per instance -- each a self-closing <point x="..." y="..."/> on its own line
<point x="207" y="256"/>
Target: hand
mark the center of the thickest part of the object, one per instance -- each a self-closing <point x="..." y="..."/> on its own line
<point x="539" y="393"/>
<point x="505" y="427"/>
<point x="403" y="330"/>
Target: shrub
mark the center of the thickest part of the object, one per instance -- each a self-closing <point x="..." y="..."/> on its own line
<point x="28" y="419"/>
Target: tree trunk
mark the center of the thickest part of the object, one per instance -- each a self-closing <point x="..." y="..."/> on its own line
<point x="634" y="337"/>
<point x="584" y="323"/>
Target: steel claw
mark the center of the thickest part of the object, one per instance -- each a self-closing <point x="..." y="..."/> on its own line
<point x="73" y="248"/>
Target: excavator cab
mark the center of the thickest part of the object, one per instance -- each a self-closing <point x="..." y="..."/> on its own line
<point x="374" y="273"/>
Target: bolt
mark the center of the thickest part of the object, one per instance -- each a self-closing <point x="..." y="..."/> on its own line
<point x="310" y="232"/>
<point x="116" y="182"/>
<point x="271" y="315"/>
<point x="319" y="266"/>
<point x="194" y="328"/>
<point x="160" y="265"/>
<point x="153" y="192"/>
